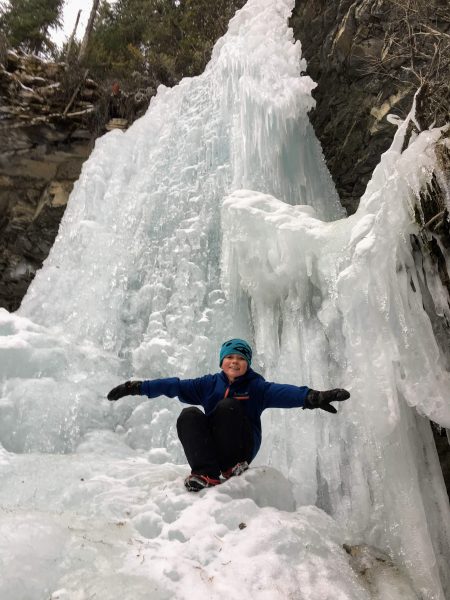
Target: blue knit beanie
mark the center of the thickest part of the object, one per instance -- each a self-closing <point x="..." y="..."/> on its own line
<point x="236" y="346"/>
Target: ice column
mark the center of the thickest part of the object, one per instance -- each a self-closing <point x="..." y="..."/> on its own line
<point x="339" y="305"/>
<point x="136" y="263"/>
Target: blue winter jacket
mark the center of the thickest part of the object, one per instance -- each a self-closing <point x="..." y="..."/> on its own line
<point x="251" y="388"/>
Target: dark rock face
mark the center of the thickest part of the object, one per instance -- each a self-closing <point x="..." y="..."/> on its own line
<point x="34" y="189"/>
<point x="348" y="118"/>
<point x="43" y="143"/>
<point x="354" y="52"/>
<point x="442" y="441"/>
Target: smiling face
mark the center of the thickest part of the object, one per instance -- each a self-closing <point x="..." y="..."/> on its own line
<point x="234" y="366"/>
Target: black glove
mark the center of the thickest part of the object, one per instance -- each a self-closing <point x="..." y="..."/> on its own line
<point x="322" y="400"/>
<point x="129" y="388"/>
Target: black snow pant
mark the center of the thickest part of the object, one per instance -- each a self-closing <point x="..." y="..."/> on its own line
<point x="216" y="442"/>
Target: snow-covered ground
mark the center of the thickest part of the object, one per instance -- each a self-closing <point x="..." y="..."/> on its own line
<point x="98" y="526"/>
<point x="214" y="216"/>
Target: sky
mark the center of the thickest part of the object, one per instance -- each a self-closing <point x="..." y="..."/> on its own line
<point x="71" y="9"/>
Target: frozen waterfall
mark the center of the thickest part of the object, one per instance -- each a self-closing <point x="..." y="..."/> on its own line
<point x="214" y="216"/>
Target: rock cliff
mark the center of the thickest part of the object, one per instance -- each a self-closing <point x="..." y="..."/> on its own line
<point x="43" y="144"/>
<point x="369" y="58"/>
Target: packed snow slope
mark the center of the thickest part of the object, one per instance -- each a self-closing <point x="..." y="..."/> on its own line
<point x="214" y="216"/>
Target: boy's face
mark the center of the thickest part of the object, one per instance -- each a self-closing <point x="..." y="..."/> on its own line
<point x="234" y="365"/>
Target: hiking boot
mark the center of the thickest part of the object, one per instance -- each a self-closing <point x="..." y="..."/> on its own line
<point x="236" y="470"/>
<point x="195" y="482"/>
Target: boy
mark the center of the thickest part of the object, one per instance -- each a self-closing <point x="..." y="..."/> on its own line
<point x="226" y="437"/>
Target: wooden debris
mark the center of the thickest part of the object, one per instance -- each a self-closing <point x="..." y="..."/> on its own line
<point x="31" y="88"/>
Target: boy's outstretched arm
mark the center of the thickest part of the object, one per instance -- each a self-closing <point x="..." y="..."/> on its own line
<point x="190" y="391"/>
<point x="322" y="400"/>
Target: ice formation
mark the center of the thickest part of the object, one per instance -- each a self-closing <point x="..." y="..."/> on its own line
<point x="212" y="216"/>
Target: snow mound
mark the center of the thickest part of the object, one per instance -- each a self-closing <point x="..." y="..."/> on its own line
<point x="76" y="526"/>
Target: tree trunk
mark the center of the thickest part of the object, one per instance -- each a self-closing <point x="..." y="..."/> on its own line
<point x="69" y="45"/>
<point x="88" y="32"/>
